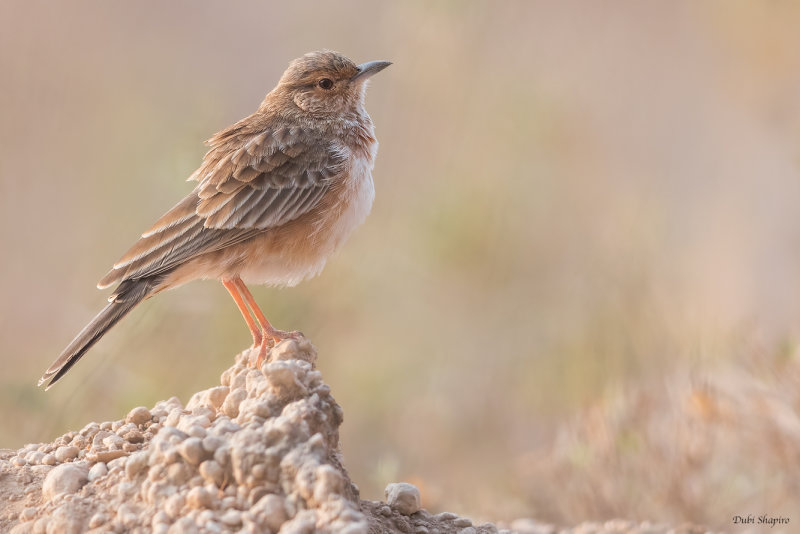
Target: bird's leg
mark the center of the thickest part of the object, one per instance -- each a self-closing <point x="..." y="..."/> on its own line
<point x="232" y="288"/>
<point x="269" y="331"/>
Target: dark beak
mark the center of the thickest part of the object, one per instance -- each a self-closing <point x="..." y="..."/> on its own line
<point x="366" y="70"/>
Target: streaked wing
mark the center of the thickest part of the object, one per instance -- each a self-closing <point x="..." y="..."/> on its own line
<point x="249" y="182"/>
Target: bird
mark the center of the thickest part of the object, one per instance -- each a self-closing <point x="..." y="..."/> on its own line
<point x="278" y="192"/>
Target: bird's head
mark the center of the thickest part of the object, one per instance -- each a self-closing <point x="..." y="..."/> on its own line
<point x="326" y="83"/>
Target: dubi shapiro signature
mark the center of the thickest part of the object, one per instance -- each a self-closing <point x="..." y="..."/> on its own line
<point x="762" y="519"/>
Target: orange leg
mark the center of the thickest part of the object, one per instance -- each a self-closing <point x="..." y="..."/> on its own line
<point x="269" y="331"/>
<point x="232" y="288"/>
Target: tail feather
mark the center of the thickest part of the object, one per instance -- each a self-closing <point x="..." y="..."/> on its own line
<point x="125" y="298"/>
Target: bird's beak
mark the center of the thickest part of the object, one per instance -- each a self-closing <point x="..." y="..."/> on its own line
<point x="366" y="70"/>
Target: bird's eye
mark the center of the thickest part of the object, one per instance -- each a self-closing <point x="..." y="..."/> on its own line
<point x="326" y="83"/>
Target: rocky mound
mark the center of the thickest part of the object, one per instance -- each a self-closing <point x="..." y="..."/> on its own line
<point x="258" y="453"/>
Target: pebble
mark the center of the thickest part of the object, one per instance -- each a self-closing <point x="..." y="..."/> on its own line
<point x="98" y="470"/>
<point x="98" y="519"/>
<point x="211" y="444"/>
<point x="114" y="441"/>
<point x="160" y="517"/>
<point x="65" y="478"/>
<point x="212" y="472"/>
<point x="404" y="498"/>
<point x="97" y="440"/>
<point x="174" y="504"/>
<point x="231" y="405"/>
<point x="34" y="457"/>
<point x="49" y="459"/>
<point x="192" y="450"/>
<point x="178" y="473"/>
<point x="216" y="396"/>
<point x="27" y="514"/>
<point x="67" y="453"/>
<point x="198" y="498"/>
<point x="232" y="518"/>
<point x="272" y="510"/>
<point x="135" y="464"/>
<point x="133" y="436"/>
<point x="139" y="416"/>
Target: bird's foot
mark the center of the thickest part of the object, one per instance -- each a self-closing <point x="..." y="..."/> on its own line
<point x="271" y="337"/>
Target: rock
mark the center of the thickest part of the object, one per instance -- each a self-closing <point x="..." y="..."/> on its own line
<point x="403" y="497"/>
<point x="231" y="405"/>
<point x="271" y="511"/>
<point x="66" y="520"/>
<point x="98" y="470"/>
<point x="216" y="396"/>
<point x="139" y="416"/>
<point x="97" y="520"/>
<point x="198" y="498"/>
<point x="135" y="464"/>
<point x="67" y="453"/>
<point x="192" y="450"/>
<point x="212" y="472"/>
<point x="64" y="479"/>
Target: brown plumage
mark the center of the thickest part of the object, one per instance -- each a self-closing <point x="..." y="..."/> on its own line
<point x="277" y="193"/>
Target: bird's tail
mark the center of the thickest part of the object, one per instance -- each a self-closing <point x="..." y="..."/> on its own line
<point x="125" y="298"/>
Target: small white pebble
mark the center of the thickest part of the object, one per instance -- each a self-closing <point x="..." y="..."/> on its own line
<point x="139" y="416"/>
<point x="211" y="444"/>
<point x="403" y="497"/>
<point x="49" y="459"/>
<point x="216" y="396"/>
<point x="160" y="517"/>
<point x="27" y="514"/>
<point x="212" y="472"/>
<point x="197" y="431"/>
<point x="114" y="441"/>
<point x="98" y="519"/>
<point x="98" y="470"/>
<point x="198" y="498"/>
<point x="174" y="504"/>
<point x="192" y="450"/>
<point x="65" y="454"/>
<point x="136" y="462"/>
<point x="65" y="478"/>
<point x="232" y="518"/>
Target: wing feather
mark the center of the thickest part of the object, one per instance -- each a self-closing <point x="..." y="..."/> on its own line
<point x="252" y="179"/>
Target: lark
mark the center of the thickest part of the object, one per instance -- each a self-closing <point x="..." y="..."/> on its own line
<point x="278" y="193"/>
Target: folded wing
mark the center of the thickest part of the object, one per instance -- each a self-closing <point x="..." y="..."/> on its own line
<point x="249" y="181"/>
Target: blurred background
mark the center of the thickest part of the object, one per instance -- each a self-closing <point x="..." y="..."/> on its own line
<point x="577" y="295"/>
